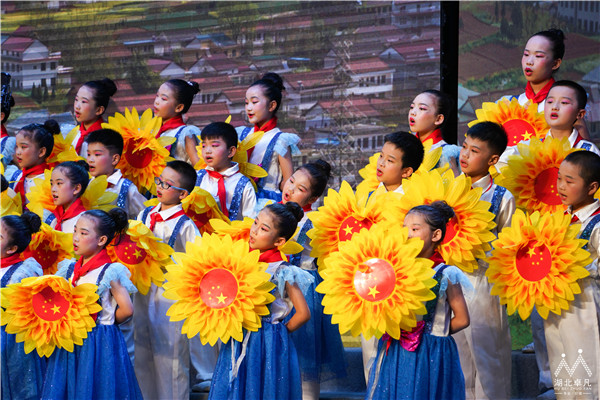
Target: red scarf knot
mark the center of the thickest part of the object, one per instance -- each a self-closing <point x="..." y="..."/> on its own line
<point x="61" y="215"/>
<point x="267" y="126"/>
<point x="156" y="217"/>
<point x="221" y="192"/>
<point x="97" y="261"/>
<point x="97" y="125"/>
<point x="540" y="96"/>
<point x="36" y="170"/>
<point x="270" y="256"/>
<point x="169" y="124"/>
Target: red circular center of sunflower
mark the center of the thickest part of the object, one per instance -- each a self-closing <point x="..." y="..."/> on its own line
<point x="49" y="305"/>
<point x="137" y="158"/>
<point x="129" y="252"/>
<point x="452" y="228"/>
<point x="517" y="130"/>
<point x="351" y="225"/>
<point x="377" y="283"/>
<point x="43" y="254"/>
<point x="533" y="261"/>
<point x="545" y="187"/>
<point x="218" y="288"/>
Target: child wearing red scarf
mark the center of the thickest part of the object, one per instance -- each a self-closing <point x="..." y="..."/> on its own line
<point x="22" y="374"/>
<point x="266" y="363"/>
<point x="68" y="182"/>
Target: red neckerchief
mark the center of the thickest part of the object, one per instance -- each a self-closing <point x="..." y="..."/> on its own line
<point x="221" y="192"/>
<point x="61" y="215"/>
<point x="540" y="96"/>
<point x="156" y="217"/>
<point x="269" y="256"/>
<point x="577" y="140"/>
<point x="20" y="185"/>
<point x="97" y="125"/>
<point x="306" y="208"/>
<point x="435" y="136"/>
<point x="93" y="263"/>
<point x="11" y="260"/>
<point x="436" y="258"/>
<point x="575" y="218"/>
<point x="267" y="126"/>
<point x="4" y="132"/>
<point x="169" y="124"/>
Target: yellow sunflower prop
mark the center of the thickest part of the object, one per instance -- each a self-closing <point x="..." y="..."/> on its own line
<point x="94" y="197"/>
<point x="469" y="233"/>
<point x="375" y="283"/>
<point x="531" y="175"/>
<point x="144" y="156"/>
<point x="63" y="149"/>
<point x="537" y="262"/>
<point x="49" y="247"/>
<point x="143" y="254"/>
<point x="10" y="203"/>
<point x="519" y="122"/>
<point x="47" y="312"/>
<point x="219" y="287"/>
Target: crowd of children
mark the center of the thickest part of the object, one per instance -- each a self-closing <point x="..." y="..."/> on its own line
<point x="461" y="348"/>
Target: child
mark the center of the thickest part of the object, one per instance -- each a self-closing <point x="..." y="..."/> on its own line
<point x="7" y="143"/>
<point x="90" y="104"/>
<point x="22" y="374"/>
<point x="575" y="333"/>
<point x="161" y="352"/>
<point x="222" y="177"/>
<point x="266" y="364"/>
<point x="173" y="99"/>
<point x="34" y="145"/>
<point x="274" y="151"/>
<point x="401" y="155"/>
<point x="485" y="347"/>
<point x="104" y="150"/>
<point x="100" y="368"/>
<point x="68" y="182"/>
<point x="318" y="342"/>
<point x="432" y="370"/>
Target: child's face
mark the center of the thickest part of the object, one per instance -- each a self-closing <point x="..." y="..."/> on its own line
<point x="538" y="62"/>
<point x="418" y="227"/>
<point x="84" y="107"/>
<point x="423" y="116"/>
<point x="258" y="107"/>
<point x="5" y="249"/>
<point x="27" y="153"/>
<point x="216" y="154"/>
<point x="561" y="109"/>
<point x="165" y="103"/>
<point x="263" y="232"/>
<point x="476" y="157"/>
<point x="572" y="189"/>
<point x="390" y="170"/>
<point x="100" y="160"/>
<point x="64" y="193"/>
<point x="86" y="241"/>
<point x="170" y="196"/>
<point x="298" y="188"/>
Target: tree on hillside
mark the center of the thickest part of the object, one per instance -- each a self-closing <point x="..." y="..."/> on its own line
<point x="235" y="17"/>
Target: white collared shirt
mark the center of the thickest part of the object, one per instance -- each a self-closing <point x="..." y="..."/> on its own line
<point x="580" y="145"/>
<point x="507" y="204"/>
<point x="164" y="229"/>
<point x="398" y="190"/>
<point x="585" y="217"/>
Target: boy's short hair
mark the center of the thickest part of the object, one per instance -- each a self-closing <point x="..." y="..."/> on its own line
<point x="220" y="130"/>
<point x="588" y="163"/>
<point x="492" y="134"/>
<point x="112" y="140"/>
<point x="412" y="148"/>
<point x="187" y="174"/>
<point x="580" y="93"/>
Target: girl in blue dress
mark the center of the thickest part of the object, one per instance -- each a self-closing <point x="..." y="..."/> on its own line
<point x="424" y="363"/>
<point x="22" y="374"/>
<point x="318" y="342"/>
<point x="265" y="364"/>
<point x="100" y="368"/>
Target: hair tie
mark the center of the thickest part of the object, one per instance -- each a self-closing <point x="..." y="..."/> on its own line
<point x="189" y="83"/>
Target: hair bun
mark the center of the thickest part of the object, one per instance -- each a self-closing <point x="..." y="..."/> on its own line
<point x="560" y="35"/>
<point x="444" y="208"/>
<point x="324" y="166"/>
<point x="83" y="164"/>
<point x="195" y="86"/>
<point x="32" y="221"/>
<point x="295" y="209"/>
<point x="52" y="127"/>
<point x="274" y="79"/>
<point x="120" y="218"/>
<point x="109" y="86"/>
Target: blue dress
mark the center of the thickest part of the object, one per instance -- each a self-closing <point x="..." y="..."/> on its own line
<point x="22" y="374"/>
<point x="100" y="368"/>
<point x="266" y="365"/>
<point x="433" y="370"/>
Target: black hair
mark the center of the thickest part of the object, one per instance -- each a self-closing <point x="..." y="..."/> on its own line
<point x="77" y="173"/>
<point x="273" y="88"/>
<point x="220" y="130"/>
<point x="580" y="93"/>
<point x="412" y="148"/>
<point x="319" y="172"/>
<point x="103" y="90"/>
<point x="444" y="104"/>
<point x="492" y="134"/>
<point x="4" y="185"/>
<point x="20" y="228"/>
<point x="588" y="163"/>
<point x="42" y="135"/>
<point x="286" y="217"/>
<point x="557" y="38"/>
<point x="187" y="174"/>
<point x="8" y="101"/>
<point x="184" y="92"/>
<point x="436" y="215"/>
<point x="109" y="224"/>
<point x="112" y="140"/>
